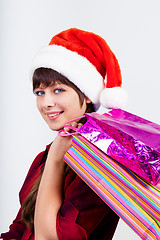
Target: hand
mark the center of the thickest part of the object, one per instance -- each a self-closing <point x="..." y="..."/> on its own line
<point x="61" y="144"/>
<point x="50" y="193"/>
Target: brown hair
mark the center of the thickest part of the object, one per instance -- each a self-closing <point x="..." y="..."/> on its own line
<point x="47" y="77"/>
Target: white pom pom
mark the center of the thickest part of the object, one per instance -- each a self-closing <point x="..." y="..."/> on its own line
<point x="114" y="98"/>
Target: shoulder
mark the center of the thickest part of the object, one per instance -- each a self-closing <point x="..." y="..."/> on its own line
<point x="33" y="174"/>
<point x="84" y="210"/>
<point x="39" y="159"/>
<point x="79" y="193"/>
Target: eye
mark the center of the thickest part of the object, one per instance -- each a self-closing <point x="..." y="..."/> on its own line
<point x="58" y="90"/>
<point x="39" y="93"/>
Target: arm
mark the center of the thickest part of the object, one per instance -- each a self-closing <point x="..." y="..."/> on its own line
<point x="16" y="229"/>
<point x="83" y="215"/>
<point x="49" y="198"/>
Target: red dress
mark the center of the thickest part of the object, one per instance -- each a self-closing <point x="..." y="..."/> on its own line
<point x="83" y="215"/>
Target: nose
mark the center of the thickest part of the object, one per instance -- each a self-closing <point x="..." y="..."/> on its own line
<point x="49" y="101"/>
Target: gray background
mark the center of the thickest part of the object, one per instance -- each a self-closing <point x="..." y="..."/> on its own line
<point x="131" y="29"/>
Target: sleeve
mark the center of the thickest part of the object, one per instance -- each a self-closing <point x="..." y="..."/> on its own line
<point x="16" y="229"/>
<point x="83" y="215"/>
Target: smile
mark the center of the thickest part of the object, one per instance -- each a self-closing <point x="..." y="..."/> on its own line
<point x="54" y="115"/>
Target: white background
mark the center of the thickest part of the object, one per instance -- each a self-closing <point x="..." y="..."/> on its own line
<point x="131" y="29"/>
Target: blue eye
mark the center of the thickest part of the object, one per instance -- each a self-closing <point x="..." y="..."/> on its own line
<point x="58" y="90"/>
<point x="39" y="93"/>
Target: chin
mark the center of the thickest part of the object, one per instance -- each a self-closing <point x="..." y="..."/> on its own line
<point x="53" y="128"/>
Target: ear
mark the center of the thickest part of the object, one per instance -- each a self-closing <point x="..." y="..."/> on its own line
<point x="87" y="100"/>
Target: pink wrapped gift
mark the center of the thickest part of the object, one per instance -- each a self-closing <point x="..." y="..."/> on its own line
<point x="127" y="138"/>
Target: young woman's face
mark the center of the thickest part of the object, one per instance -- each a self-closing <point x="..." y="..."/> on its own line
<point x="58" y="104"/>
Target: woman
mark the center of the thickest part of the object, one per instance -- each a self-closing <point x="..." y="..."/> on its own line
<point x="75" y="74"/>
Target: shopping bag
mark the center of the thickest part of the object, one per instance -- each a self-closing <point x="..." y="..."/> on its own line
<point x="104" y="169"/>
<point x="119" y="187"/>
<point x="129" y="139"/>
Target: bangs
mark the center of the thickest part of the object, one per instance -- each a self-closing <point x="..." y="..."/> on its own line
<point x="48" y="77"/>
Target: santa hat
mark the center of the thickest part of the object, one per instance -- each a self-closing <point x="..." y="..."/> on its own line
<point x="87" y="61"/>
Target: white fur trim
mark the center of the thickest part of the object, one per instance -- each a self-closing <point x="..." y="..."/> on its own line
<point x="72" y="65"/>
<point x="115" y="97"/>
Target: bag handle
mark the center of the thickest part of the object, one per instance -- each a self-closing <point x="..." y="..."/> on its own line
<point x="64" y="133"/>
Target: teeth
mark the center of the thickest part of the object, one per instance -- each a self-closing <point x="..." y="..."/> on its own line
<point x="54" y="114"/>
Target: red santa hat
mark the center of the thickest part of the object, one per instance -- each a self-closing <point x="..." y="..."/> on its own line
<point x="86" y="60"/>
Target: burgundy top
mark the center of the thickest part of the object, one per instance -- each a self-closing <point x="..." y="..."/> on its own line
<point x="83" y="215"/>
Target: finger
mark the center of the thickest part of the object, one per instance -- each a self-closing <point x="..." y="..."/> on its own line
<point x="74" y="124"/>
<point x="66" y="129"/>
<point x="71" y="127"/>
<point x="79" y="125"/>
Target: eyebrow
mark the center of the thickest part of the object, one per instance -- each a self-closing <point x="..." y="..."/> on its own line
<point x="42" y="86"/>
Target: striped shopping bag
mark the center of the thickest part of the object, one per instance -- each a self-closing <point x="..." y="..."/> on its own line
<point x="132" y="198"/>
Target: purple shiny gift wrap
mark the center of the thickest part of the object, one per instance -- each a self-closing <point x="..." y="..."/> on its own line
<point x="127" y="138"/>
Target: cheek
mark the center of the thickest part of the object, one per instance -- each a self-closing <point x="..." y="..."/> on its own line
<point x="76" y="106"/>
<point x="39" y="105"/>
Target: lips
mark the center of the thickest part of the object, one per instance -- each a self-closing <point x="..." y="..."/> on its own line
<point x="54" y="115"/>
